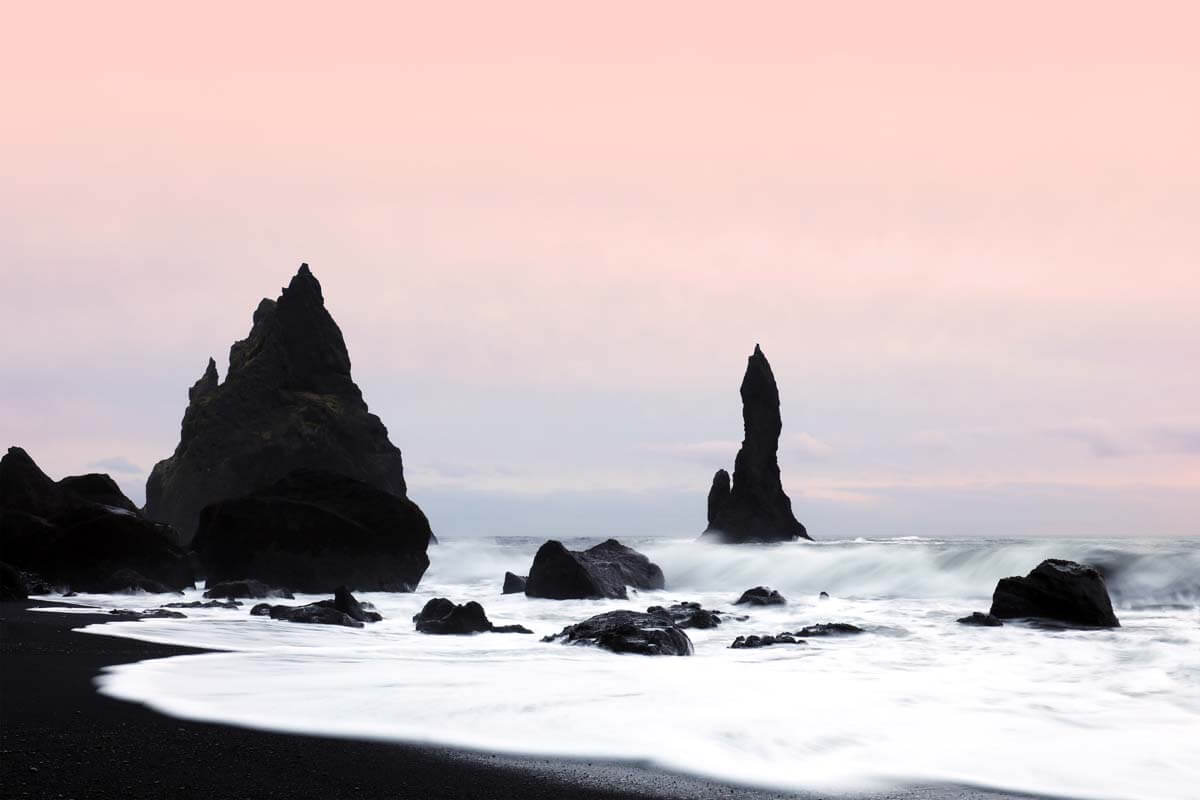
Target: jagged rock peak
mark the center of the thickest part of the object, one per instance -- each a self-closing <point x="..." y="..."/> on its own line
<point x="207" y="383"/>
<point x="752" y="507"/>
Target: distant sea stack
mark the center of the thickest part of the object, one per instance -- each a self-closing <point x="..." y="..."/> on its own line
<point x="753" y="506"/>
<point x="288" y="402"/>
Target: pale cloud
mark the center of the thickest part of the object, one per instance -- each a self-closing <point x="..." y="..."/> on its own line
<point x="117" y="464"/>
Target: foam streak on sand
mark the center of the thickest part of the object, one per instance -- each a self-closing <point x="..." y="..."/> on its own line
<point x="918" y="699"/>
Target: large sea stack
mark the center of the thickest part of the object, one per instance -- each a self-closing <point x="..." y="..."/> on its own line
<point x="287" y="403"/>
<point x="82" y="532"/>
<point x="753" y="507"/>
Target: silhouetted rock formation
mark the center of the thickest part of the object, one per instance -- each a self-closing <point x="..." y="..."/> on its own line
<point x="151" y="613"/>
<point x="829" y="629"/>
<point x="753" y="507"/>
<point x="628" y="632"/>
<point x="205" y="604"/>
<point x="764" y="640"/>
<point x="760" y="596"/>
<point x="248" y="590"/>
<point x="288" y="402"/>
<point x="601" y="571"/>
<point x="442" y="616"/>
<point x="70" y="539"/>
<point x="513" y="583"/>
<point x="343" y="609"/>
<point x="981" y="620"/>
<point x="96" y="487"/>
<point x="1059" y="590"/>
<point x="128" y="581"/>
<point x="313" y="531"/>
<point x="689" y="615"/>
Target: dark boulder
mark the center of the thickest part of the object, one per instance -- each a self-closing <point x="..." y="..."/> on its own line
<point x="513" y="584"/>
<point x="288" y="402"/>
<point x="980" y="619"/>
<point x="71" y="540"/>
<point x="313" y="531"/>
<point x="12" y="585"/>
<point x="442" y="616"/>
<point x="98" y="488"/>
<point x="754" y="641"/>
<point x="312" y="614"/>
<point x="154" y="613"/>
<point x="752" y="507"/>
<point x="628" y="632"/>
<point x="601" y="571"/>
<point x="126" y="581"/>
<point x="1059" y="590"/>
<point x="245" y="589"/>
<point x="828" y="629"/>
<point x="688" y="615"/>
<point x="760" y="596"/>
<point x="346" y="603"/>
<point x="208" y="604"/>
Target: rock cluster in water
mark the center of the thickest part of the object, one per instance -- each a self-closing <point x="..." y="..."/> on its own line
<point x="83" y="533"/>
<point x="752" y="507"/>
<point x="1059" y="590"/>
<point x="690" y="615"/>
<point x="287" y="403"/>
<point x="601" y="571"/>
<point x="313" y="531"/>
<point x="442" y="616"/>
<point x="628" y="632"/>
<point x="760" y="596"/>
<point x="344" y="609"/>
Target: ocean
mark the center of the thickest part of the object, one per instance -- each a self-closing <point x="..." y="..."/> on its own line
<point x="917" y="699"/>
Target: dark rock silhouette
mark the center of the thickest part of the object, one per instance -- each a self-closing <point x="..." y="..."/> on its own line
<point x="288" y="402"/>
<point x="689" y="615"/>
<point x="753" y="506"/>
<point x="766" y="640"/>
<point x="601" y="571"/>
<point x="128" y="581"/>
<point x="71" y="540"/>
<point x="205" y="604"/>
<point x="248" y="590"/>
<point x="442" y="616"/>
<point x="343" y="609"/>
<point x="313" y="531"/>
<point x="513" y="583"/>
<point x="1064" y="591"/>
<point x="979" y="619"/>
<point x="828" y="629"/>
<point x="628" y="632"/>
<point x="760" y="596"/>
<point x="96" y="487"/>
<point x="152" y="613"/>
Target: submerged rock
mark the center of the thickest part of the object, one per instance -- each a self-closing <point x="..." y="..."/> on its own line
<point x="752" y="507"/>
<point x="628" y="632"/>
<point x="688" y="615"/>
<point x="72" y="540"/>
<point x="1059" y="590"/>
<point x="288" y="402"/>
<point x="601" y="571"/>
<point x="343" y="609"/>
<point x="153" y="613"/>
<point x="442" y="616"/>
<point x="209" y="604"/>
<point x="246" y="589"/>
<point x="313" y="531"/>
<point x="513" y="583"/>
<point x="829" y="629"/>
<point x="980" y="619"/>
<point x="760" y="596"/>
<point x="766" y="640"/>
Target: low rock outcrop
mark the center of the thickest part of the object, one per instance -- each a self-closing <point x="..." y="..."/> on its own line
<point x="152" y="613"/>
<point x="760" y="596"/>
<point x="754" y="640"/>
<point x="601" y="571"/>
<point x="288" y="402"/>
<point x="752" y="506"/>
<point x="628" y="632"/>
<point x="828" y="629"/>
<point x="442" y="616"/>
<point x="128" y="581"/>
<point x="205" y="604"/>
<point x="245" y="589"/>
<point x="689" y="615"/>
<point x="513" y="583"/>
<point x="72" y="540"/>
<point x="1059" y="590"/>
<point x="979" y="619"/>
<point x="343" y="610"/>
<point x="313" y="531"/>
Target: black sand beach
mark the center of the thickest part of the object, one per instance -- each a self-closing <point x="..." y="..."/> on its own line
<point x="59" y="738"/>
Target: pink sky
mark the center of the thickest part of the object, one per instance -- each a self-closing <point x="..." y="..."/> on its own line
<point x="967" y="239"/>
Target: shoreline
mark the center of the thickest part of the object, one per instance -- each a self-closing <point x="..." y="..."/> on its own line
<point x="60" y="737"/>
